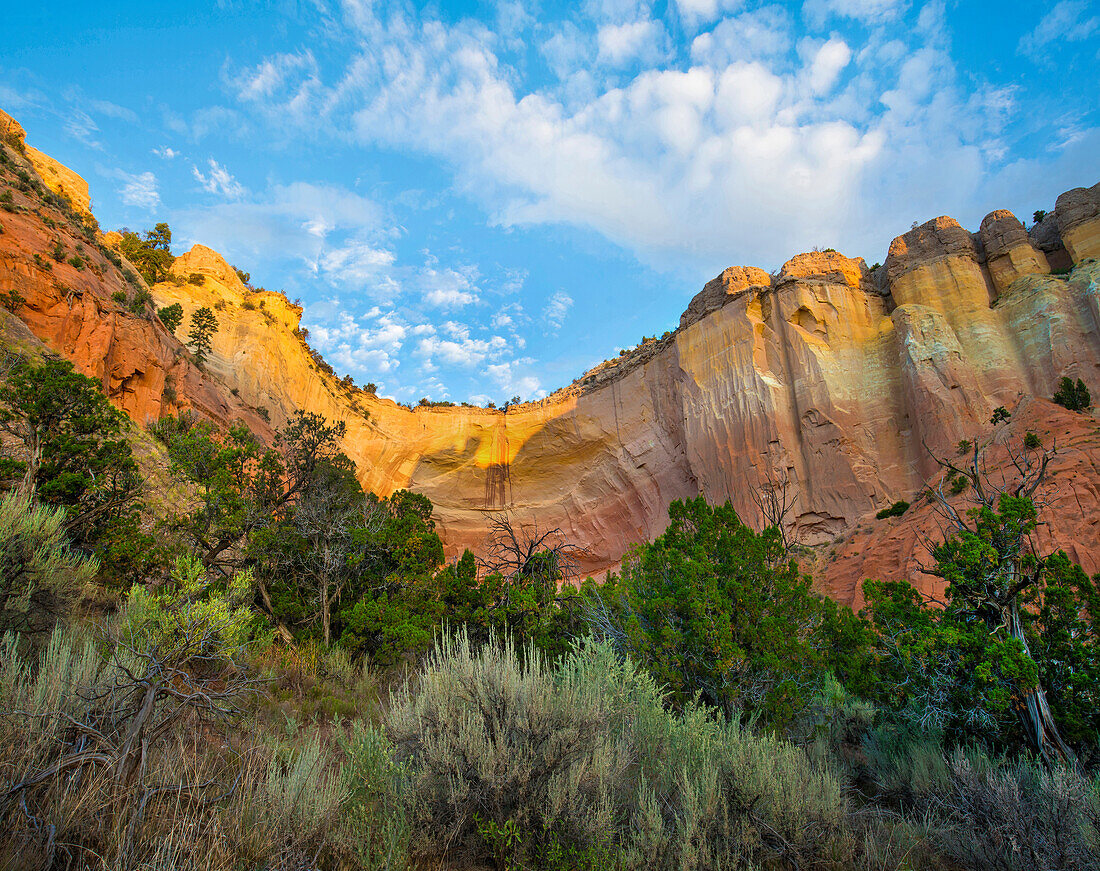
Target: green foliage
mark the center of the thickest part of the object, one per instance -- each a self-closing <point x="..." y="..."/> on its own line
<point x="712" y="608"/>
<point x="239" y="484"/>
<point x="582" y="766"/>
<point x="74" y="455"/>
<point x="76" y="262"/>
<point x="120" y="296"/>
<point x="371" y="387"/>
<point x="191" y="614"/>
<point x="171" y="316"/>
<point x="195" y="278"/>
<point x="1074" y="397"/>
<point x="246" y="278"/>
<point x="895" y="510"/>
<point x="1062" y="623"/>
<point x="1031" y="441"/>
<point x="377" y="790"/>
<point x="959" y="484"/>
<point x="58" y="251"/>
<point x="40" y="577"/>
<point x="958" y="669"/>
<point x="964" y="447"/>
<point x="152" y="254"/>
<point x="1000" y="413"/>
<point x="203" y="326"/>
<point x="1038" y="215"/>
<point x="142" y="298"/>
<point x="12" y="300"/>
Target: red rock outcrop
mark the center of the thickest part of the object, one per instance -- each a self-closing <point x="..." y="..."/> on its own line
<point x="841" y="381"/>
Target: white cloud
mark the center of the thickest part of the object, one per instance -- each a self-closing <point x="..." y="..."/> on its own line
<point x="113" y="110"/>
<point x="219" y="181"/>
<point x="761" y="34"/>
<point x="465" y="352"/>
<point x="620" y="44"/>
<point x="750" y="152"/>
<point x="514" y="383"/>
<point x="696" y="12"/>
<point x="139" y="190"/>
<point x="557" y="308"/>
<point x="867" y="11"/>
<point x="828" y="62"/>
<point x="355" y="263"/>
<point x="294" y="221"/>
<point x="165" y="153"/>
<point x="447" y="288"/>
<point x="1067" y="20"/>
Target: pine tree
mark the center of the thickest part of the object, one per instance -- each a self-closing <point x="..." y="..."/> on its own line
<point x="203" y="326"/>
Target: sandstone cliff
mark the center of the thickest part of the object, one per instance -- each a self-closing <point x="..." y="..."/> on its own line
<point x="835" y="378"/>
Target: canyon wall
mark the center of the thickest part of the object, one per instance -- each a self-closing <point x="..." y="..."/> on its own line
<point x="837" y="379"/>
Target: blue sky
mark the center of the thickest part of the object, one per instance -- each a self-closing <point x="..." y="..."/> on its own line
<point x="480" y="199"/>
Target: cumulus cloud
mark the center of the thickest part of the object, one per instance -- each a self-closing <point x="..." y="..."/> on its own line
<point x="621" y="44"/>
<point x="462" y="351"/>
<point x="165" y="153"/>
<point x="828" y="62"/>
<point x="355" y="262"/>
<point x="696" y="12"/>
<point x="741" y="146"/>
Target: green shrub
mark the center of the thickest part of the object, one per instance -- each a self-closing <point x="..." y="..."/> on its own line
<point x="513" y="761"/>
<point x="120" y="297"/>
<point x="12" y="300"/>
<point x="486" y="733"/>
<point x="1074" y="397"/>
<point x="76" y="262"/>
<point x="171" y="316"/>
<point x="375" y="819"/>
<point x="895" y="510"/>
<point x="301" y="794"/>
<point x="39" y="576"/>
<point x="191" y="611"/>
<point x="195" y="278"/>
<point x="142" y="298"/>
<point x="1031" y="441"/>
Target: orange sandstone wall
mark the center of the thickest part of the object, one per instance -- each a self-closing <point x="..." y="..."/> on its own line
<point x="832" y="377"/>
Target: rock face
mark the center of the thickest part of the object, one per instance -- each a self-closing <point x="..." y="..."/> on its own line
<point x="146" y="371"/>
<point x="1008" y="250"/>
<point x="839" y="381"/>
<point x="58" y="178"/>
<point x="1077" y="214"/>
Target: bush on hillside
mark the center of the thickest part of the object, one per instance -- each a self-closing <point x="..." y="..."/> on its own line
<point x="501" y="749"/>
<point x="40" y="577"/>
<point x="895" y="510"/>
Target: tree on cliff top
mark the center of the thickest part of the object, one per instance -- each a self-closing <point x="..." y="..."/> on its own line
<point x="152" y="254"/>
<point x="203" y="326"/>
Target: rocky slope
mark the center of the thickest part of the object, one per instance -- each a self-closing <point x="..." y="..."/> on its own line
<point x="840" y="380"/>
